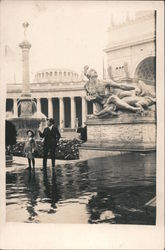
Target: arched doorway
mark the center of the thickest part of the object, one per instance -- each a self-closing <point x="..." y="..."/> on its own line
<point x="146" y="70"/>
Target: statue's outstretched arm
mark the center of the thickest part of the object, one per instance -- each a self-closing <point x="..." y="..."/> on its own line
<point x="113" y="84"/>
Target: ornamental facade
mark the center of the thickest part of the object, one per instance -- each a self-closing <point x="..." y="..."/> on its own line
<point x="131" y="48"/>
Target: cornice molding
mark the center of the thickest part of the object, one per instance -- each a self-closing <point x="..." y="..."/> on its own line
<point x="120" y="45"/>
<point x="48" y="90"/>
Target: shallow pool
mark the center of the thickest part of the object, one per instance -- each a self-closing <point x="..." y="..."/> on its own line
<point x="104" y="190"/>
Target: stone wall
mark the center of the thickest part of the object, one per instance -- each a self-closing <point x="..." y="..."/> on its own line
<point x="126" y="133"/>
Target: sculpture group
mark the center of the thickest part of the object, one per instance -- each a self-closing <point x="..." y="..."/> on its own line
<point x="111" y="98"/>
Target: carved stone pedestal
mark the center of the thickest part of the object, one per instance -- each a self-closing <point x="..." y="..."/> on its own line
<point x="27" y="106"/>
<point x="118" y="135"/>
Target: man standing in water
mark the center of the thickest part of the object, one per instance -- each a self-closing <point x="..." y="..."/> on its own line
<point x="51" y="136"/>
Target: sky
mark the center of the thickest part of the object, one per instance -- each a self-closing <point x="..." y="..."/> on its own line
<point x="62" y="34"/>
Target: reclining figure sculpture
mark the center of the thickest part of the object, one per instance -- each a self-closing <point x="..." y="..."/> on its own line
<point x="110" y="97"/>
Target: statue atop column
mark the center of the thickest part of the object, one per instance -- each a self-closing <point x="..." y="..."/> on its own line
<point x="25" y="25"/>
<point x="26" y="103"/>
<point x="111" y="98"/>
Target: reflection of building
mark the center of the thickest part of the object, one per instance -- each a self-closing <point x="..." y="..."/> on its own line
<point x="131" y="48"/>
<point x="59" y="93"/>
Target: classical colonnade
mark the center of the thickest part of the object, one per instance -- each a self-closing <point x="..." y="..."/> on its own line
<point x="86" y="108"/>
<point x="61" y="110"/>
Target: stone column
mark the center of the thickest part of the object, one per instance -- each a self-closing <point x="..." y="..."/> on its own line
<point x="84" y="110"/>
<point x="61" y="113"/>
<point x="15" y="108"/>
<point x="94" y="108"/>
<point x="73" y="113"/>
<point x="25" y="46"/>
<point x="38" y="105"/>
<point x="50" y="108"/>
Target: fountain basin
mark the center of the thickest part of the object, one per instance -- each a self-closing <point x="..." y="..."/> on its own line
<point x="23" y="124"/>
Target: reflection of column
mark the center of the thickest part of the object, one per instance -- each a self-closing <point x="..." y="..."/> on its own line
<point x="73" y="113"/>
<point x="84" y="110"/>
<point x="38" y="105"/>
<point x="61" y="113"/>
<point x="50" y="108"/>
<point x="15" y="108"/>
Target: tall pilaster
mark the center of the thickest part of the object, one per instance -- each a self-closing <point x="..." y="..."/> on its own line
<point x="50" y="108"/>
<point x="84" y="110"/>
<point x="61" y="113"/>
<point x="73" y="113"/>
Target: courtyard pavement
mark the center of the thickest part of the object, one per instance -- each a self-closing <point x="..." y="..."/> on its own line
<point x="22" y="162"/>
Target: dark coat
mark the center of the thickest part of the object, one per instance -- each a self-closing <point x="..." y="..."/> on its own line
<point x="30" y="148"/>
<point x="50" y="137"/>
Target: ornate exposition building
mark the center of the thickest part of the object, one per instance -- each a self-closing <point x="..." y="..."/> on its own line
<point x="131" y="48"/>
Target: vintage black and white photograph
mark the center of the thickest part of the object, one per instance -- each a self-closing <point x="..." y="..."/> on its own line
<point x="81" y="117"/>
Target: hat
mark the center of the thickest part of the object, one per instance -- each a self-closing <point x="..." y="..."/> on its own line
<point x="51" y="120"/>
<point x="30" y="131"/>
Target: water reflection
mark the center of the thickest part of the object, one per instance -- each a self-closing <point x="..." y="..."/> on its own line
<point x="32" y="185"/>
<point x="106" y="190"/>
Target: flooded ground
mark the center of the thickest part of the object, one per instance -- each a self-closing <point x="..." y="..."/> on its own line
<point x="104" y="190"/>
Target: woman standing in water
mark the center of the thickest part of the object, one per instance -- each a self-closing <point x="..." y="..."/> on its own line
<point x="30" y="147"/>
